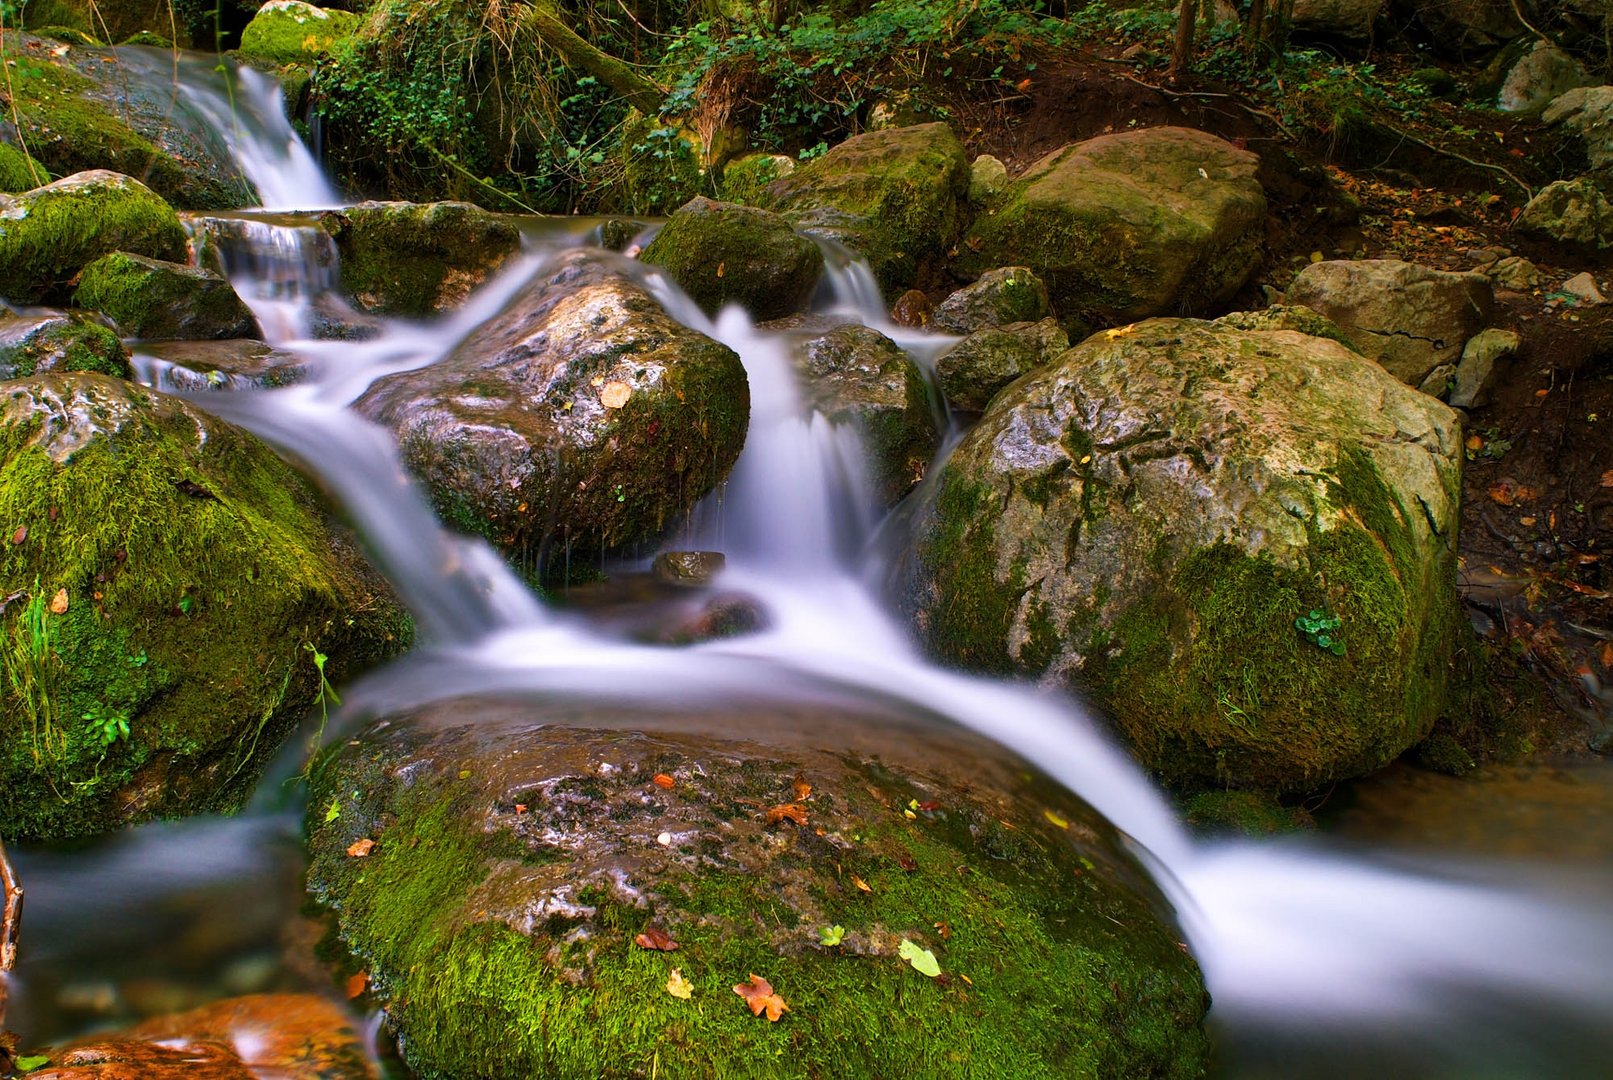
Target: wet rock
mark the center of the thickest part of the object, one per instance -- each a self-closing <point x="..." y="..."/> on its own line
<point x="48" y="234"/>
<point x="292" y="32"/>
<point x="1343" y="18"/>
<point x="1571" y="212"/>
<point x="1479" y="370"/>
<point x="1439" y="382"/>
<point x="892" y="196"/>
<point x="417" y="259"/>
<point x="59" y="341"/>
<point x="729" y="615"/>
<point x="1539" y="78"/>
<point x="988" y="178"/>
<point x="521" y="848"/>
<point x="18" y="171"/>
<point x="1146" y="520"/>
<point x="912" y="309"/>
<point x="988" y="360"/>
<point x="240" y="364"/>
<point x="287" y="1036"/>
<point x="724" y="253"/>
<point x="1407" y="317"/>
<point x="1012" y="294"/>
<point x="580" y="415"/>
<point x="152" y="298"/>
<point x="1459" y="27"/>
<point x="333" y="319"/>
<point x="617" y="234"/>
<point x="1586" y="112"/>
<point x="179" y="570"/>
<point x="689" y="567"/>
<point x="112" y="23"/>
<point x="1128" y="225"/>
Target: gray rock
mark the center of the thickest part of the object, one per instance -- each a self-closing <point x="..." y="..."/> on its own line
<point x="1582" y="286"/>
<point x="988" y="177"/>
<point x="724" y="253"/>
<point x="1542" y="74"/>
<point x="689" y="567"/>
<point x="1437" y="383"/>
<point x="1011" y="294"/>
<point x="1572" y="212"/>
<point x="1587" y="112"/>
<point x="988" y="360"/>
<point x="1479" y="370"/>
<point x="241" y="364"/>
<point x="1516" y="273"/>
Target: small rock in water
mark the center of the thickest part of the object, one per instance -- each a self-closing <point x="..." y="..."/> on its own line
<point x="689" y="567"/>
<point x="1583" y="287"/>
<point x="726" y="616"/>
<point x="912" y="309"/>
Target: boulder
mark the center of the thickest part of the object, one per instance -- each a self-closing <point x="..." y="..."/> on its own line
<point x="112" y="23"/>
<point x="988" y="360"/>
<point x="1539" y="78"/>
<point x="581" y="415"/>
<point x="1340" y="18"/>
<point x="1012" y="294"/>
<point x="1407" y="317"/>
<point x="237" y="364"/>
<point x="1479" y="370"/>
<point x="1575" y="213"/>
<point x="1516" y="273"/>
<point x="50" y="233"/>
<point x="744" y="179"/>
<point x="59" y="341"/>
<point x="18" y="171"/>
<point x="293" y="32"/>
<point x="1240" y="543"/>
<point x="1586" y="112"/>
<point x="532" y="876"/>
<point x="988" y="177"/>
<point x="166" y="576"/>
<point x="893" y="196"/>
<point x="417" y="259"/>
<point x="724" y="253"/>
<point x="151" y="298"/>
<point x="1460" y="27"/>
<point x="1128" y="225"/>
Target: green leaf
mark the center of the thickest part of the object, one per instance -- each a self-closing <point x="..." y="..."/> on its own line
<point x="334" y="812"/>
<point x="832" y="935"/>
<point x="30" y="1062"/>
<point x="923" y="960"/>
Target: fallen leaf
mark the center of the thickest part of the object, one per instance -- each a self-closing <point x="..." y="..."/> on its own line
<point x="802" y="789"/>
<point x="758" y="994"/>
<point x="520" y="808"/>
<point x="1119" y="332"/>
<point x="1607" y="655"/>
<point x="860" y="883"/>
<point x="1508" y="493"/>
<point x="721" y="268"/>
<point x="678" y="986"/>
<point x="1474" y="443"/>
<point x="356" y="984"/>
<point x="662" y="780"/>
<point x="922" y="959"/>
<point x="615" y="394"/>
<point x="22" y="530"/>
<point x="1055" y="819"/>
<point x="966" y="978"/>
<point x="906" y="861"/>
<point x="944" y="929"/>
<point x="787" y="811"/>
<point x="360" y="848"/>
<point x="58" y="603"/>
<point x="1607" y="481"/>
<point x="1526" y="521"/>
<point x="1541" y="393"/>
<point x="655" y="938"/>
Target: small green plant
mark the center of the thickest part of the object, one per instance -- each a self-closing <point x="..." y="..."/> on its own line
<point x="831" y="936"/>
<point x="107" y="724"/>
<point x="31" y="670"/>
<point x="1320" y="629"/>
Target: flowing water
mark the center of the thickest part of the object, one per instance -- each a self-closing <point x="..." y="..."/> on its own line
<point x="1324" y="959"/>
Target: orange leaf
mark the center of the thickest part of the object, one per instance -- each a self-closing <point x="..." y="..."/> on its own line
<point x="655" y="938"/>
<point x="792" y="811"/>
<point x="721" y="267"/>
<point x="758" y="994"/>
<point x="1508" y="493"/>
<point x="802" y="789"/>
<point x="520" y="808"/>
<point x="1607" y="655"/>
<point x="1607" y="478"/>
<point x="661" y="779"/>
<point x="360" y="848"/>
<point x="22" y="533"/>
<point x="356" y="984"/>
<point x="1474" y="443"/>
<point x="58" y="603"/>
<point x="860" y="883"/>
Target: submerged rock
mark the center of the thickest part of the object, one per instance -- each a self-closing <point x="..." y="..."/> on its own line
<point x="723" y="253"/>
<point x="417" y="259"/>
<point x="59" y="341"/>
<point x="582" y="415"/>
<point x="520" y="851"/>
<point x="1129" y="225"/>
<point x="48" y="234"/>
<point x="165" y="576"/>
<point x="1147" y="519"/>
<point x="151" y="298"/>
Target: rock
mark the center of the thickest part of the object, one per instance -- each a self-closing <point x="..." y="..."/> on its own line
<point x="744" y="179"/>
<point x="1407" y="317"/>
<point x="292" y="32"/>
<point x="724" y="253"/>
<point x="1288" y="317"/>
<point x="287" y="1036"/>
<point x="1515" y="272"/>
<point x="239" y="364"/>
<point x="417" y="259"/>
<point x="892" y="196"/>
<point x="112" y="23"/>
<point x="1343" y="18"/>
<point x="1582" y="286"/>
<point x="1438" y="382"/>
<point x="180" y="570"/>
<point x="18" y="171"/>
<point x="581" y="415"/>
<point x="1458" y="27"/>
<point x="520" y="849"/>
<point x="150" y="298"/>
<point x="913" y="310"/>
<point x="1541" y="75"/>
<point x="618" y="234"/>
<point x="59" y="341"/>
<point x="1477" y="374"/>
<point x="689" y="567"/>
<point x="1586" y="112"/>
<point x="663" y="165"/>
<point x="857" y="376"/>
<point x="332" y="318"/>
<point x="1128" y="225"/>
<point x="988" y="178"/>
<point x="48" y="234"/>
<point x="1147" y="518"/>
<point x="1012" y="294"/>
<point x="988" y="360"/>
<point x="1571" y="212"/>
<point x="729" y="615"/>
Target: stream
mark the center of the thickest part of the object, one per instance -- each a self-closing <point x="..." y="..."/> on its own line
<point x="1326" y="955"/>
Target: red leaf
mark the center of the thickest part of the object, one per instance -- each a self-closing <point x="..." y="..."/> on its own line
<point x="787" y="811"/>
<point x="356" y="984"/>
<point x="758" y="994"/>
<point x="662" y="780"/>
<point x="20" y="535"/>
<point x="654" y="938"/>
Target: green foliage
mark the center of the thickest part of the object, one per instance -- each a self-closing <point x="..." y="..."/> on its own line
<point x="106" y="723"/>
<point x="32" y="667"/>
<point x="1320" y="629"/>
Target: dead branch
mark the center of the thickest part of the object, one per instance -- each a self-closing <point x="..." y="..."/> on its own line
<point x="10" y="922"/>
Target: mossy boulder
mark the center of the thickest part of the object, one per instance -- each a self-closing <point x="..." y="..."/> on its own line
<point x="745" y="178"/>
<point x="857" y="376"/>
<point x="663" y="165"/>
<point x="1011" y="294"/>
<point x="152" y="298"/>
<point x="49" y="234"/>
<point x="167" y="576"/>
<point x="1120" y="227"/>
<point x="18" y="171"/>
<point x="292" y="32"/>
<point x="1409" y="318"/>
<point x="893" y="196"/>
<point x="983" y="363"/>
<point x="1576" y="214"/>
<point x="236" y="364"/>
<point x="581" y="418"/>
<point x="417" y="258"/>
<point x="723" y="253"/>
<point x="112" y="23"/>
<point x="519" y="850"/>
<point x="1241" y="543"/>
<point x="1586" y="113"/>
<point x="59" y="341"/>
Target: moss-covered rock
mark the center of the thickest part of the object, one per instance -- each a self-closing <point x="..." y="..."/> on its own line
<point x="417" y="258"/>
<point x="1012" y="294"/>
<point x="520" y="849"/>
<point x="893" y="196"/>
<point x="50" y="233"/>
<point x="1574" y="213"/>
<point x="1241" y="543"/>
<point x="293" y="32"/>
<point x="18" y="171"/>
<point x="151" y="298"/>
<point x="663" y="166"/>
<point x="580" y="419"/>
<point x="723" y="253"/>
<point x="1163" y="220"/>
<point x="983" y="363"/>
<point x="167" y="578"/>
<point x="113" y="23"/>
<point x="59" y="341"/>
<point x="745" y="179"/>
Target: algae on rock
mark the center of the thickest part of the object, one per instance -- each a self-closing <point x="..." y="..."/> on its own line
<point x="151" y="298"/>
<point x="722" y="253"/>
<point x="59" y="341"/>
<point x="417" y="259"/>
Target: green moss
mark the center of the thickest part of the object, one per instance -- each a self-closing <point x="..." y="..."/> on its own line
<point x="1248" y="813"/>
<point x="745" y="179"/>
<point x="60" y="343"/>
<point x="149" y="298"/>
<point x="295" y="33"/>
<point x="417" y="259"/>
<point x="723" y="253"/>
<point x="18" y="171"/>
<point x="662" y="166"/>
<point x="962" y="559"/>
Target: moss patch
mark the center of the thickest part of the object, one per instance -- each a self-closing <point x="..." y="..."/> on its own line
<point x="723" y="253"/>
<point x="18" y="171"/>
<point x="290" y="32"/>
<point x="150" y="298"/>
<point x="65" y="342"/>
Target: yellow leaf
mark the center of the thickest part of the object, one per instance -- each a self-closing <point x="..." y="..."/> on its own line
<point x="615" y="395"/>
<point x="1055" y="819"/>
<point x="58" y="603"/>
<point x="1119" y="332"/>
<point x="678" y="986"/>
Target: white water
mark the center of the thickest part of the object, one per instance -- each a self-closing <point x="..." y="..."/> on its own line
<point x="1322" y="961"/>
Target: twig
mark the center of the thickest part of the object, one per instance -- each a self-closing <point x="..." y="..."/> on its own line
<point x="10" y="923"/>
<point x="1528" y="192"/>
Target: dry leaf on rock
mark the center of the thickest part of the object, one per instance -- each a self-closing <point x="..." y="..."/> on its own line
<point x="356" y="983"/>
<point x="360" y="848"/>
<point x="655" y="938"/>
<point x="758" y="994"/>
<point x="615" y="394"/>
<point x="788" y="811"/>
<point x="58" y="603"/>
<point x="662" y="780"/>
